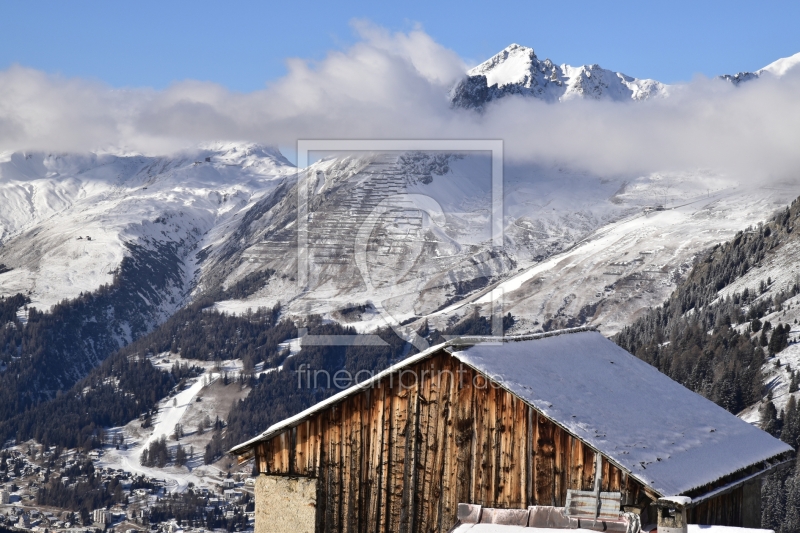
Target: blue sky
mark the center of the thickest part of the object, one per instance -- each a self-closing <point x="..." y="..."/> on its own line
<point x="243" y="45"/>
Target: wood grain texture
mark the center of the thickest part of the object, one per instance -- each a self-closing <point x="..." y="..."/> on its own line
<point x="400" y="456"/>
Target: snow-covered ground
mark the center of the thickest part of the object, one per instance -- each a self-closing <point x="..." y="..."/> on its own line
<point x="777" y="370"/>
<point x="625" y="242"/>
<point x="626" y="266"/>
<point x="183" y="408"/>
<point x="776" y="378"/>
<point x="66" y="218"/>
<point x="169" y="415"/>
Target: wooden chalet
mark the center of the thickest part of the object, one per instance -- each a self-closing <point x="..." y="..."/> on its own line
<point x="507" y="424"/>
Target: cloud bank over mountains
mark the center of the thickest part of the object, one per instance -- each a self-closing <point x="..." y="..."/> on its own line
<point x="396" y="85"/>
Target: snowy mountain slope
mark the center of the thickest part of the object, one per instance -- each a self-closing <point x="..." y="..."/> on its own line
<point x="414" y="261"/>
<point x="739" y="305"/>
<point x="778" y="68"/>
<point x="67" y="218"/>
<point x="623" y="268"/>
<point x="589" y="249"/>
<point x="517" y="70"/>
<point x="404" y="248"/>
<point x="577" y="249"/>
<point x="215" y="400"/>
<point x="777" y="371"/>
<point x="107" y="244"/>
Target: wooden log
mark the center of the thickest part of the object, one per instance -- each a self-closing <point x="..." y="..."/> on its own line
<point x="588" y="468"/>
<point x="351" y="427"/>
<point x="559" y="490"/>
<point x="337" y="484"/>
<point x="606" y="485"/>
<point x="400" y="403"/>
<point x="384" y="490"/>
<point x="322" y="474"/>
<point x="425" y="462"/>
<point x="464" y="434"/>
<point x="545" y="471"/>
<point x="299" y="451"/>
<point x="483" y="440"/>
<point x="447" y="510"/>
<point x="373" y="470"/>
<point x="529" y="454"/>
<point x="408" y="485"/>
<point x="516" y="450"/>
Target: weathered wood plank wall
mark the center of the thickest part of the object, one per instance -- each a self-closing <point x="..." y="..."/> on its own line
<point x="400" y="456"/>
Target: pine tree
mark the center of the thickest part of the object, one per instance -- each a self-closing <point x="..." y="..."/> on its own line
<point x="791" y="521"/>
<point x="791" y="423"/>
<point x="773" y="502"/>
<point x="778" y="341"/>
<point x="180" y="456"/>
<point x="769" y="419"/>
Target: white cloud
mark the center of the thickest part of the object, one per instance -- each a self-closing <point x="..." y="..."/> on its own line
<point x="394" y="85"/>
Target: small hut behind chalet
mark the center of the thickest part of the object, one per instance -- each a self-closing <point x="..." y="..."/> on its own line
<point x="507" y="424"/>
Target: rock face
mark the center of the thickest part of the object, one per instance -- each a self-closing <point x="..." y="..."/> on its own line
<point x="736" y="79"/>
<point x="517" y="70"/>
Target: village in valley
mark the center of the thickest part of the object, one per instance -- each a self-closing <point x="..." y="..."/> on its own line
<point x="133" y="501"/>
<point x="55" y="490"/>
<point x="115" y="486"/>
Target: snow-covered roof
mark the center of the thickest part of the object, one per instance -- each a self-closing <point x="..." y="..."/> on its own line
<point x="666" y="436"/>
<point x="670" y="438"/>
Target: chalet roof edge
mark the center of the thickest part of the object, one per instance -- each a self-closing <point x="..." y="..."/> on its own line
<point x="467" y="340"/>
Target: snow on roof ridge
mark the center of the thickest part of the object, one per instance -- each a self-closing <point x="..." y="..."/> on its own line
<point x="474" y="339"/>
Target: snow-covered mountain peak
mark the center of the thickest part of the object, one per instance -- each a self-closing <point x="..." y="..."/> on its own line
<point x="777" y="69"/>
<point x="517" y="70"/>
<point x="781" y="66"/>
<point x="512" y="65"/>
<point x="245" y="154"/>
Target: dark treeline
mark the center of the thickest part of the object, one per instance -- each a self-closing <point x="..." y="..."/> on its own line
<point x="126" y="385"/>
<point x="280" y="394"/>
<point x="194" y="332"/>
<point x="8" y="313"/>
<point x="724" y="366"/>
<point x="474" y="324"/>
<point x="121" y="389"/>
<point x="156" y="454"/>
<point x="198" y="332"/>
<point x="55" y="349"/>
<point x="247" y="286"/>
<point x="692" y="339"/>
